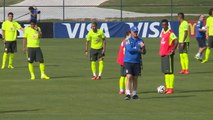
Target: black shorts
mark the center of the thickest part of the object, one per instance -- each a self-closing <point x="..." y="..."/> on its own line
<point x="96" y="54"/>
<point x="10" y="47"/>
<point x="167" y="64"/>
<point x="35" y="54"/>
<point x="123" y="71"/>
<point x="201" y="42"/>
<point x="133" y="68"/>
<point x="210" y="42"/>
<point x="185" y="48"/>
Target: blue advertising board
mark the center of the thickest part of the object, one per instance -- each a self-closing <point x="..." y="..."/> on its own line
<point x="147" y="29"/>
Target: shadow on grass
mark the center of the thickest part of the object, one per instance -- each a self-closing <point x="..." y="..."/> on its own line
<point x="36" y="66"/>
<point x="193" y="91"/>
<point x="68" y="76"/>
<point x="18" y="111"/>
<point x="170" y="96"/>
<point x="201" y="72"/>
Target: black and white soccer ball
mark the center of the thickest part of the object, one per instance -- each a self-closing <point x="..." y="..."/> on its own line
<point x="161" y="89"/>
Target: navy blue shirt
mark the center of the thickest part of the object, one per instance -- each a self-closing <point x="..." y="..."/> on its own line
<point x="199" y="25"/>
<point x="34" y="12"/>
<point x="132" y="50"/>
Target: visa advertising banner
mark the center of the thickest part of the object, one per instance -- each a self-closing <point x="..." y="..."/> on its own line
<point x="147" y="29"/>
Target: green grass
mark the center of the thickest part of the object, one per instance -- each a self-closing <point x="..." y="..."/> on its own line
<point x="71" y="95"/>
<point x="10" y="2"/>
<point x="134" y="5"/>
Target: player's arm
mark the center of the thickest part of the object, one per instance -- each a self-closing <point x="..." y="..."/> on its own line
<point x="207" y="32"/>
<point x="130" y="48"/>
<point x="38" y="29"/>
<point x="185" y="35"/>
<point x="104" y="45"/>
<point x="174" y="43"/>
<point x="3" y="36"/>
<point x="201" y="28"/>
<point x="143" y="48"/>
<point x="24" y="44"/>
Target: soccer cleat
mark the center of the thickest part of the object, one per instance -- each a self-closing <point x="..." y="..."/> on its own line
<point x="3" y="66"/>
<point x="170" y="91"/>
<point x="98" y="78"/>
<point x="127" y="97"/>
<point x="167" y="89"/>
<point x="135" y="97"/>
<point x="45" y="77"/>
<point x="10" y="67"/>
<point x="198" y="57"/>
<point x="186" y="72"/>
<point x="121" y="92"/>
<point x="182" y="72"/>
<point x="32" y="77"/>
<point x="93" y="78"/>
<point x="204" y="61"/>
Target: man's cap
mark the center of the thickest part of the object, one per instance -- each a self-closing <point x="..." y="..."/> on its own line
<point x="134" y="29"/>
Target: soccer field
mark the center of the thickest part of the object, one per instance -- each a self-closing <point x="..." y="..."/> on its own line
<point x="71" y="95"/>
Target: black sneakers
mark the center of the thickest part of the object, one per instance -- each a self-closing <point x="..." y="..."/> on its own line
<point x="135" y="97"/>
<point x="128" y="97"/>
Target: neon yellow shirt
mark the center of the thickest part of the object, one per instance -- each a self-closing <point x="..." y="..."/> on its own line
<point x="96" y="39"/>
<point x="184" y="26"/>
<point x="209" y="24"/>
<point x="32" y="37"/>
<point x="10" y="30"/>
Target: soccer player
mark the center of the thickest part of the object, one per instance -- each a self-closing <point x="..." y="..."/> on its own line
<point x="120" y="61"/>
<point x="97" y="51"/>
<point x="183" y="43"/>
<point x="209" y="35"/>
<point x="32" y="42"/>
<point x="132" y="61"/>
<point x="9" y="35"/>
<point x="168" y="44"/>
<point x="201" y="37"/>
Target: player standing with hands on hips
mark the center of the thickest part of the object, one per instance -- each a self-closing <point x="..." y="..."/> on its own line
<point x="132" y="61"/>
<point x="97" y="51"/>
<point x="168" y="44"/>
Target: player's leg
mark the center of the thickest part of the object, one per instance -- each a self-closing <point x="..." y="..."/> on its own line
<point x="208" y="50"/>
<point x="122" y="80"/>
<point x="181" y="60"/>
<point x="186" y="58"/>
<point x="13" y="48"/>
<point x="93" y="59"/>
<point x="40" y="58"/>
<point x="5" y="54"/>
<point x="165" y="69"/>
<point x="171" y="75"/>
<point x="100" y="63"/>
<point x="201" y="44"/>
<point x="136" y="73"/>
<point x="31" y="58"/>
<point x="129" y="78"/>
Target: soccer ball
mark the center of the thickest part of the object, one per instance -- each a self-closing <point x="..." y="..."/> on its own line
<point x="161" y="89"/>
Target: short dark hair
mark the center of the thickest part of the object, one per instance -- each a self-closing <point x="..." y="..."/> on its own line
<point x="33" y="21"/>
<point x="165" y="20"/>
<point x="10" y="13"/>
<point x="210" y="11"/>
<point x="94" y="23"/>
<point x="31" y="8"/>
<point x="181" y="14"/>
